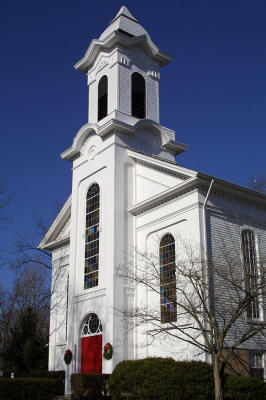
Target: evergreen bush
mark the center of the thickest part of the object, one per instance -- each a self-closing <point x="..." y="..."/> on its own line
<point x="194" y="380"/>
<point x="150" y="378"/>
<point x="89" y="386"/>
<point x="166" y="379"/>
<point x="244" y="388"/>
<point x="27" y="389"/>
<point x="59" y="376"/>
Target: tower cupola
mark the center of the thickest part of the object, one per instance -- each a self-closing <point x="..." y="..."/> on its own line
<point x="123" y="69"/>
<point x="123" y="72"/>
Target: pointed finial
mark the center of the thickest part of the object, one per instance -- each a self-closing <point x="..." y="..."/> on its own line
<point x="126" y="13"/>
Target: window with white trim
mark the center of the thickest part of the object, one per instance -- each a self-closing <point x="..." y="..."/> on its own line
<point x="168" y="279"/>
<point x="251" y="273"/>
<point x="91" y="267"/>
<point x="256" y="365"/>
<point x="91" y="326"/>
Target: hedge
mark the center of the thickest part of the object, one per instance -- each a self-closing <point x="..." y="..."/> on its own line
<point x="194" y="380"/>
<point x="244" y="388"/>
<point x="27" y="389"/>
<point x="162" y="378"/>
<point x="89" y="386"/>
<point x="166" y="379"/>
<point x="59" y="376"/>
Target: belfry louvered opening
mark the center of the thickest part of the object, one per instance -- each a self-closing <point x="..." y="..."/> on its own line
<point x="138" y="96"/>
<point x="102" y="97"/>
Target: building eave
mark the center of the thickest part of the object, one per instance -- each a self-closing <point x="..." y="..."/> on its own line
<point x="116" y="38"/>
<point x="57" y="225"/>
<point x="175" y="147"/>
<point x="233" y="188"/>
<point x="163" y="164"/>
<point x="57" y="243"/>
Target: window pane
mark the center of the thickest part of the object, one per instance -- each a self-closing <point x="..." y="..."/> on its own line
<point x="91" y="265"/>
<point x="168" y="279"/>
<point x="251" y="273"/>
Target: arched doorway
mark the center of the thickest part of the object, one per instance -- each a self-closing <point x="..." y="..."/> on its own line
<point x="91" y="345"/>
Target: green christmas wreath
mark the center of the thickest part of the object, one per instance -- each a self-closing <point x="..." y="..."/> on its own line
<point x="108" y="351"/>
<point x="68" y="357"/>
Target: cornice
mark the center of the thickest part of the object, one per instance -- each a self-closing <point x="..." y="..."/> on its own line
<point x="162" y="165"/>
<point x="85" y="131"/>
<point x="115" y="38"/>
<point x="168" y="216"/>
<point x="57" y="243"/>
<point x="235" y="215"/>
<point x="80" y="298"/>
<point x="55" y="228"/>
<point x="175" y="147"/>
<point x="126" y="125"/>
<point x="232" y="191"/>
<point x="163" y="197"/>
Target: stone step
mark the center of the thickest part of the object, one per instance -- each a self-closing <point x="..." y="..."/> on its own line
<point x="68" y="397"/>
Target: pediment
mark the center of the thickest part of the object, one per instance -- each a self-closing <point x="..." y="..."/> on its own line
<point x="59" y="232"/>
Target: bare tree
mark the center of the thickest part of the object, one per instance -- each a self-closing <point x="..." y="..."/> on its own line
<point x="206" y="316"/>
<point x="5" y="199"/>
<point x="30" y="290"/>
<point x="258" y="182"/>
<point x="26" y="251"/>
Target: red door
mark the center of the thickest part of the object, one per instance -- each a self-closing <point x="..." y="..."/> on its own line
<point x="91" y="354"/>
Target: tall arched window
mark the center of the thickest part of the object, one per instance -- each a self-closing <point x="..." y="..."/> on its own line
<point x="92" y="237"/>
<point x="102" y="97"/>
<point x="138" y="96"/>
<point x="168" y="279"/>
<point x="251" y="273"/>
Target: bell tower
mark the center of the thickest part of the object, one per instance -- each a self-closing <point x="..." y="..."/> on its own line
<point x="123" y="68"/>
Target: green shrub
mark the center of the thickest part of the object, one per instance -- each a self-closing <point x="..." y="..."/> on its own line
<point x="162" y="378"/>
<point x="59" y="376"/>
<point x="150" y="378"/>
<point x="86" y="386"/>
<point x="27" y="389"/>
<point x="194" y="380"/>
<point x="244" y="388"/>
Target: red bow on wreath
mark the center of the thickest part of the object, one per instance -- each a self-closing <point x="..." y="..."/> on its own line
<point x="108" y="351"/>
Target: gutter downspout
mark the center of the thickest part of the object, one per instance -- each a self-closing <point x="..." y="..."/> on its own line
<point x="205" y="247"/>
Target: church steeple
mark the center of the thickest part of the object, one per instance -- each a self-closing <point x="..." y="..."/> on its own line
<point x="123" y="49"/>
<point x="123" y="72"/>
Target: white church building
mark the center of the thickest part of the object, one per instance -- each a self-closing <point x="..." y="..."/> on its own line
<point x="129" y="195"/>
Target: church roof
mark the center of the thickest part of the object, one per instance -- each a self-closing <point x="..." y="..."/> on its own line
<point x="125" y="22"/>
<point x="126" y="30"/>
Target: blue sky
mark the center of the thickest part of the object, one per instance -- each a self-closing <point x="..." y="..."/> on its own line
<point x="213" y="94"/>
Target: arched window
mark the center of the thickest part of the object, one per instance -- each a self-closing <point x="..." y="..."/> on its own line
<point x="102" y="97"/>
<point x="91" y="326"/>
<point x="168" y="279"/>
<point x="251" y="273"/>
<point x="92" y="237"/>
<point x="138" y="96"/>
